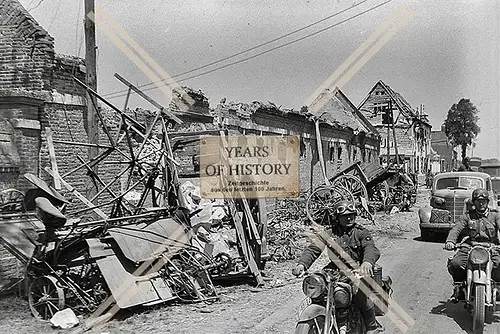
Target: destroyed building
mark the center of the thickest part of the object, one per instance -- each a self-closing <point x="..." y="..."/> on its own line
<point x="412" y="127"/>
<point x="346" y="135"/>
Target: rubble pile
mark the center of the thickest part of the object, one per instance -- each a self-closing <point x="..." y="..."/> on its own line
<point x="286" y="229"/>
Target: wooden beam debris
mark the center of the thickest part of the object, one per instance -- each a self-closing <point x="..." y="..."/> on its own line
<point x="52" y="155"/>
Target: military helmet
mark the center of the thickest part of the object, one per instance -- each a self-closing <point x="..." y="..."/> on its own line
<point x="344" y="208"/>
<point x="480" y="193"/>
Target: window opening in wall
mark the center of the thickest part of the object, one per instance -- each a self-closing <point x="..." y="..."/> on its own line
<point x="369" y="156"/>
<point x="302" y="147"/>
<point x="331" y="153"/>
<point x="339" y="153"/>
<point x="354" y="154"/>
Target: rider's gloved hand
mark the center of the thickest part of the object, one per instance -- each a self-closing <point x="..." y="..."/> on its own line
<point x="449" y="245"/>
<point x="366" y="269"/>
<point x="299" y="269"/>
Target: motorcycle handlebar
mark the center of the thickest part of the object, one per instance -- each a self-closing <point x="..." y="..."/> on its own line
<point x="472" y="244"/>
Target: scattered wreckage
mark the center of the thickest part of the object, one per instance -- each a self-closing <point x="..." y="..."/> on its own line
<point x="146" y="249"/>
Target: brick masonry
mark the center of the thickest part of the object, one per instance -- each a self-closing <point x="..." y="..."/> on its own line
<point x="37" y="91"/>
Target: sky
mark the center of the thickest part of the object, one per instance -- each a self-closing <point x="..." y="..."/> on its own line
<point x="447" y="50"/>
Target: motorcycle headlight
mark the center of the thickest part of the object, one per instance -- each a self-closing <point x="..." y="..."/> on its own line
<point x="342" y="297"/>
<point x="313" y="286"/>
<point x="478" y="255"/>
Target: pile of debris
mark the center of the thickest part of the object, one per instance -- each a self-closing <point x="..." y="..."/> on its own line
<point x="286" y="228"/>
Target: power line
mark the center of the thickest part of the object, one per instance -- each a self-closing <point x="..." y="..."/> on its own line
<point x="247" y="50"/>
<point x="113" y="94"/>
<point x="55" y="14"/>
<point x="37" y="5"/>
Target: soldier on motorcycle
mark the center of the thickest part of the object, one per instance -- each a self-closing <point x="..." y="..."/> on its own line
<point x="480" y="224"/>
<point x="359" y="244"/>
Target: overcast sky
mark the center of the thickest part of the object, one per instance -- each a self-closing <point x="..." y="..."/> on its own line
<point x="447" y="50"/>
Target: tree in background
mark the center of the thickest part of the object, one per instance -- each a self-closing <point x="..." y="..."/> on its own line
<point x="460" y="125"/>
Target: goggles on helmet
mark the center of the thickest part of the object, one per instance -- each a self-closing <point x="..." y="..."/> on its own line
<point x="344" y="208"/>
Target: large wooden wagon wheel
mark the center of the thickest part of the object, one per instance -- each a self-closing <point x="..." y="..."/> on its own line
<point x="353" y="184"/>
<point x="358" y="190"/>
<point x="319" y="205"/>
<point x="45" y="297"/>
<point x="380" y="194"/>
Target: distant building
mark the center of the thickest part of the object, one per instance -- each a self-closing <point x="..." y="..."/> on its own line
<point x="442" y="146"/>
<point x="412" y="127"/>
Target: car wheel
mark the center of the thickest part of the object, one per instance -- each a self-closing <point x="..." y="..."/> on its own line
<point x="425" y="235"/>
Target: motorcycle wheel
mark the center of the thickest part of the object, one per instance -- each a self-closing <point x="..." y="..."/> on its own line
<point x="313" y="326"/>
<point x="478" y="314"/>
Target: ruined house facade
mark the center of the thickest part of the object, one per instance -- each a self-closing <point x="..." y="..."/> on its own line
<point x="36" y="91"/>
<point x="346" y="136"/>
<point x="411" y="127"/>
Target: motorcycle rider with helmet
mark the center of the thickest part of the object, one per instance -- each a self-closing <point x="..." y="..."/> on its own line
<point x="358" y="243"/>
<point x="479" y="224"/>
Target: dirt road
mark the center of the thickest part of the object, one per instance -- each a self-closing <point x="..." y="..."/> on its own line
<point x="421" y="287"/>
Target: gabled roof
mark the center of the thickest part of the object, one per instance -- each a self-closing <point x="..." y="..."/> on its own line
<point x="14" y="14"/>
<point x="406" y="109"/>
<point x="334" y="108"/>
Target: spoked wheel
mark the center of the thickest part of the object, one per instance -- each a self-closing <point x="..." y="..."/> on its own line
<point x="322" y="200"/>
<point x="11" y="200"/>
<point x="353" y="184"/>
<point x="380" y="194"/>
<point x="357" y="189"/>
<point x="45" y="297"/>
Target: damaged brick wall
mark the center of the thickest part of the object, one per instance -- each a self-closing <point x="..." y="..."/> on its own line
<point x="26" y="49"/>
<point x="341" y="147"/>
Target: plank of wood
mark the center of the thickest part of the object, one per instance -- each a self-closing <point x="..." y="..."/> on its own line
<point x="240" y="231"/>
<point x="78" y="195"/>
<point x="263" y="224"/>
<point x="320" y="152"/>
<point x="149" y="99"/>
<point x="52" y="155"/>
<point x="250" y="221"/>
<point x="249" y="258"/>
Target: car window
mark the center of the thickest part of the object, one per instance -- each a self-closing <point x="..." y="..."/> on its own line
<point x="470" y="183"/>
<point x="496" y="186"/>
<point x="449" y="182"/>
<point x="462" y="182"/>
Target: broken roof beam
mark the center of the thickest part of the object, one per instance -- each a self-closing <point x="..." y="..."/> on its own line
<point x="90" y="90"/>
<point x="149" y="99"/>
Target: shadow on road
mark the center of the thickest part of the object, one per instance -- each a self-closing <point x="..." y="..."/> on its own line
<point x="460" y="315"/>
<point x="436" y="239"/>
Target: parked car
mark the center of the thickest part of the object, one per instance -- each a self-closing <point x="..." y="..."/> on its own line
<point x="450" y="198"/>
<point x="493" y="170"/>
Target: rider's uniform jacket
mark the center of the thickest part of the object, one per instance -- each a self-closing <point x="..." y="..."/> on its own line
<point x="356" y="242"/>
<point x="478" y="227"/>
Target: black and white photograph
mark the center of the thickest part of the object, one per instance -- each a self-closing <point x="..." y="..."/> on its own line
<point x="227" y="166"/>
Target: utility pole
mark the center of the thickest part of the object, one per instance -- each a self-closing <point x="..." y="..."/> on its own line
<point x="388" y="142"/>
<point x="394" y="132"/>
<point x="91" y="79"/>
